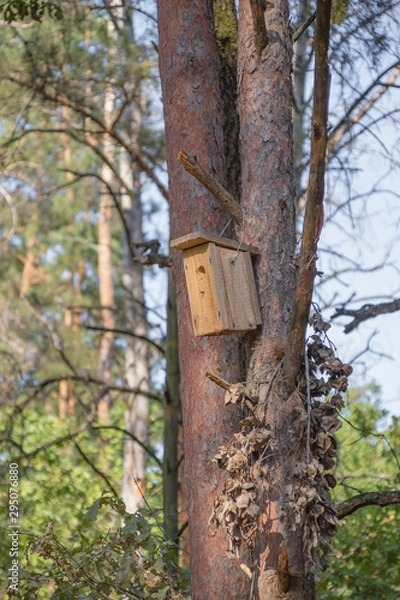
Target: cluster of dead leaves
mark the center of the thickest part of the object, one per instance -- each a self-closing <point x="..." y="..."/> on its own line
<point x="236" y="507"/>
<point x="308" y="502"/>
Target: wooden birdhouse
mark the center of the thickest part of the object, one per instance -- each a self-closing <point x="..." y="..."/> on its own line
<point x="220" y="281"/>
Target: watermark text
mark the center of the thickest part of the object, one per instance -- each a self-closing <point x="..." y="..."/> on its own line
<point x="13" y="527"/>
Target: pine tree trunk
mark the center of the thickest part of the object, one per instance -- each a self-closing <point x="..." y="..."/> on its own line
<point x="283" y="559"/>
<point x="192" y="100"/>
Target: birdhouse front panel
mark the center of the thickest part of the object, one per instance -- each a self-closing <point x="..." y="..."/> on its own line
<point x="220" y="282"/>
<point x="204" y="284"/>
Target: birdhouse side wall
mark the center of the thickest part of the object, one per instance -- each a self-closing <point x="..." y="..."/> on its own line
<point x="241" y="301"/>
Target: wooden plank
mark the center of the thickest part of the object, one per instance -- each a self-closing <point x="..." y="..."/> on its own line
<point x="203" y="278"/>
<point x="197" y="238"/>
<point x="239" y="290"/>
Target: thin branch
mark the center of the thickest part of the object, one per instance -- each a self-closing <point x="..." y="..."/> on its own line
<point x="219" y="192"/>
<point x="125" y="332"/>
<point x="299" y="32"/>
<point x="133" y="438"/>
<point x="313" y="218"/>
<point x="95" y="469"/>
<point x="347" y="122"/>
<point x="350" y="506"/>
<point x="368" y="311"/>
<point x="77" y="108"/>
<point x="218" y="380"/>
<point x="13" y="210"/>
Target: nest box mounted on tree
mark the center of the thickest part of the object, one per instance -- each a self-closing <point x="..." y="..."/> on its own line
<point x="220" y="281"/>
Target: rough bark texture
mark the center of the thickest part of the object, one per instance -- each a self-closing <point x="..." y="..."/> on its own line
<point x="301" y="62"/>
<point x="226" y="32"/>
<point x="265" y="109"/>
<point x="281" y="565"/>
<point x="192" y="103"/>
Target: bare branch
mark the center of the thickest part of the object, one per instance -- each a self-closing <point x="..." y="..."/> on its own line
<point x="219" y="192"/>
<point x="95" y="469"/>
<point x="313" y="218"/>
<point x="350" y="506"/>
<point x="299" y="32"/>
<point x="111" y="131"/>
<point x="368" y="311"/>
<point x="348" y="121"/>
<point x="126" y="332"/>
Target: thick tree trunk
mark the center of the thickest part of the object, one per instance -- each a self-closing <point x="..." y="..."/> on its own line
<point x="265" y="109"/>
<point x="191" y="93"/>
<point x="278" y="475"/>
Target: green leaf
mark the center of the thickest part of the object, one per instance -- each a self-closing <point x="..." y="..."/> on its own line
<point x="339" y="11"/>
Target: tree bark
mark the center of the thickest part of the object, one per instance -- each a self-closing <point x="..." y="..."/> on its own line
<point x="266" y="138"/>
<point x="192" y="102"/>
<point x="314" y="214"/>
<point x="106" y="288"/>
<point x="172" y="416"/>
<point x="189" y="63"/>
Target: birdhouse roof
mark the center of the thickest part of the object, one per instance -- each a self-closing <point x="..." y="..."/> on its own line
<point x="197" y="238"/>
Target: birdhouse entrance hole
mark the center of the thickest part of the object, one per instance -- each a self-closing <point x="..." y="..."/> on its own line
<point x="220" y="281"/>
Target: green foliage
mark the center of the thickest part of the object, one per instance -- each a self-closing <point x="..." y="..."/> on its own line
<point x="339" y="11"/>
<point x="127" y="560"/>
<point x="13" y="10"/>
<point x="364" y="561"/>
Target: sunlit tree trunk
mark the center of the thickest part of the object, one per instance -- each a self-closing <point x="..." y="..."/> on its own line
<point x="137" y="369"/>
<point x="279" y="566"/>
<point x="191" y="94"/>
<point x="105" y="263"/>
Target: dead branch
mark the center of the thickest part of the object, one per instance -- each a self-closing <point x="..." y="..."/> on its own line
<point x="368" y="311"/>
<point x="218" y="380"/>
<point x="313" y="218"/>
<point x="95" y="469"/>
<point x="299" y="32"/>
<point x="350" y="506"/>
<point x="123" y="141"/>
<point x="218" y="191"/>
<point x="126" y="332"/>
<point x="348" y="121"/>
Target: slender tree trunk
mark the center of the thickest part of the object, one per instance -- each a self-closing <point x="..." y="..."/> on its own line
<point x="301" y="62"/>
<point x="172" y="414"/>
<point x="137" y="370"/>
<point x="67" y="396"/>
<point x="106" y="288"/>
